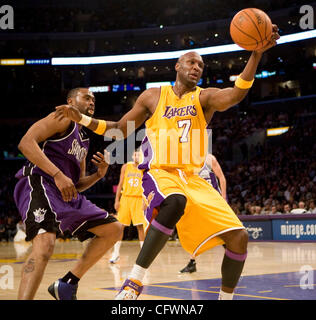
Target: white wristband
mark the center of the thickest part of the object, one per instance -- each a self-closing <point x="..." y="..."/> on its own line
<point x="85" y="120"/>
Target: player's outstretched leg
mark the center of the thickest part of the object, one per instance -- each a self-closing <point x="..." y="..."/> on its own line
<point x="171" y="210"/>
<point x="233" y="262"/>
<point x="105" y="237"/>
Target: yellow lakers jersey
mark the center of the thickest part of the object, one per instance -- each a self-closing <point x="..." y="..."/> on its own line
<point x="132" y="184"/>
<point x="176" y="136"/>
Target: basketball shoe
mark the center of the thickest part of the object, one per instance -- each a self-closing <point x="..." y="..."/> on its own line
<point x="190" y="267"/>
<point x="130" y="290"/>
<point x="114" y="259"/>
<point x="63" y="291"/>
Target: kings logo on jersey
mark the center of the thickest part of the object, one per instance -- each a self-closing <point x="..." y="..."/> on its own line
<point x="39" y="214"/>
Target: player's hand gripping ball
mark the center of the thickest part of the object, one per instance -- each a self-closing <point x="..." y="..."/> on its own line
<point x="253" y="30"/>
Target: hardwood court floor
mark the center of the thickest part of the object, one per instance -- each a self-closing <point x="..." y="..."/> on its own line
<point x="273" y="270"/>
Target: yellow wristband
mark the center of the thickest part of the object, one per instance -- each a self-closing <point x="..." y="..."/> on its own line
<point x="101" y="127"/>
<point x="243" y="84"/>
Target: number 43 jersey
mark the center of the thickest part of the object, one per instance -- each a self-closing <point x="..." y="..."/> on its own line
<point x="132" y="184"/>
<point x="176" y="135"/>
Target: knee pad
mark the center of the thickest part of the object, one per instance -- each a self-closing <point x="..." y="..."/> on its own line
<point x="171" y="210"/>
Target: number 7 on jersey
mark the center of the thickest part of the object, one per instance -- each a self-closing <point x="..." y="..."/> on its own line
<point x="187" y="125"/>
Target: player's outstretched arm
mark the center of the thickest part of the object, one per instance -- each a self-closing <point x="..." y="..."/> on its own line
<point x="214" y="99"/>
<point x="138" y="114"/>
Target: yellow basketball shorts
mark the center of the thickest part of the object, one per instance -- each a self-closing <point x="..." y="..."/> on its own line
<point x="206" y="216"/>
<point x="131" y="210"/>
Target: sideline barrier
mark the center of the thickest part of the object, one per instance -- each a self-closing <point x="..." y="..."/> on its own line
<point x="281" y="227"/>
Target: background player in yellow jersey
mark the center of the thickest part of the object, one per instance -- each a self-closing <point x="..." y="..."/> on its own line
<point x="175" y="195"/>
<point x="213" y="174"/>
<point x="129" y="202"/>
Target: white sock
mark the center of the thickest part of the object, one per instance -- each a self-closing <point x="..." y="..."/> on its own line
<point x="225" y="295"/>
<point x="116" y="248"/>
<point x="141" y="243"/>
<point x="137" y="273"/>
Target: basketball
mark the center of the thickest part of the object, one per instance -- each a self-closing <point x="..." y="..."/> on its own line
<point x="251" y="28"/>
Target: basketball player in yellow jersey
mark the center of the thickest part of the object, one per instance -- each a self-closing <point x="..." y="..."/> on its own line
<point x="129" y="202"/>
<point x="175" y="195"/>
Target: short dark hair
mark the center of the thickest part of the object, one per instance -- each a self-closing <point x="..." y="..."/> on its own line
<point x="73" y="93"/>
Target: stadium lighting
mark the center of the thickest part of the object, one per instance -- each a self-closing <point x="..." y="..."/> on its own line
<point x="277" y="131"/>
<point x="171" y="54"/>
<point x="100" y="89"/>
<point x="12" y="62"/>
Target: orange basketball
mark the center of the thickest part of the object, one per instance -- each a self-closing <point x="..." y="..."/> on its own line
<point x="250" y="29"/>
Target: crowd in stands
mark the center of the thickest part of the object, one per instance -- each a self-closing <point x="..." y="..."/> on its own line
<point x="8" y="228"/>
<point x="127" y="14"/>
<point x="280" y="178"/>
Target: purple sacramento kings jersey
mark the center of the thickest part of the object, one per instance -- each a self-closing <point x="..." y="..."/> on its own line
<point x="210" y="177"/>
<point x="66" y="153"/>
<point x="39" y="201"/>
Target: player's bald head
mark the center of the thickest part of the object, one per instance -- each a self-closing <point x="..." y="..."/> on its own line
<point x="189" y="68"/>
<point x="189" y="55"/>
